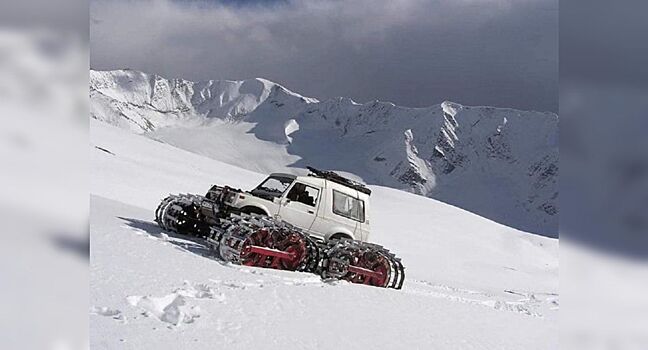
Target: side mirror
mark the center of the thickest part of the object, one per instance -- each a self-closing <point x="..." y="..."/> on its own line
<point x="284" y="201"/>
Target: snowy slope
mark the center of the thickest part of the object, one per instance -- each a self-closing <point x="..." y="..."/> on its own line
<point x="471" y="283"/>
<point x="499" y="163"/>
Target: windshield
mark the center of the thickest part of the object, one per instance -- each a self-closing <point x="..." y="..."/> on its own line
<point x="273" y="186"/>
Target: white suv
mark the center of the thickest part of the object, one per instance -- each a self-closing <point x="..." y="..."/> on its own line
<point x="323" y="204"/>
<point x="327" y="235"/>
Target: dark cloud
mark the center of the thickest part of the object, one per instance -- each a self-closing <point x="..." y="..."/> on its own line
<point x="69" y="16"/>
<point x="411" y="52"/>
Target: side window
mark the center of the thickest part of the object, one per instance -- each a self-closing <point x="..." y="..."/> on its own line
<point x="303" y="194"/>
<point x="348" y="206"/>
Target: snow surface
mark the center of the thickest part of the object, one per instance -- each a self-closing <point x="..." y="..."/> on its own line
<point x="499" y="163"/>
<point x="470" y="282"/>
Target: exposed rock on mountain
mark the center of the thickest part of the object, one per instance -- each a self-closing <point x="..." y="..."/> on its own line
<point x="499" y="163"/>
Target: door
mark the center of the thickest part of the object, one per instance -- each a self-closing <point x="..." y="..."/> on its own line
<point x="300" y="205"/>
<point x="343" y="214"/>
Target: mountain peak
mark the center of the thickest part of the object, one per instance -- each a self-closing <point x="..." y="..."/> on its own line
<point x="498" y="163"/>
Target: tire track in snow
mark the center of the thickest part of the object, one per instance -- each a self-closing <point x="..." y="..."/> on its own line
<point x="528" y="303"/>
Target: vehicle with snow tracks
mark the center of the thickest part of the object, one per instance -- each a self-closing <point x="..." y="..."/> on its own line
<point x="317" y="223"/>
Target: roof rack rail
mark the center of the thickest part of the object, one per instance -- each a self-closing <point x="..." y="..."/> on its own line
<point x="335" y="177"/>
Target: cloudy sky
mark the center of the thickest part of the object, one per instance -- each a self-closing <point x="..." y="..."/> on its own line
<point x="411" y="52"/>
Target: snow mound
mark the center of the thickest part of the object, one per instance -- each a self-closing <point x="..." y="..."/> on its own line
<point x="170" y="308"/>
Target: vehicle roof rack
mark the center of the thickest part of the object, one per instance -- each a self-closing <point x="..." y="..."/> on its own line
<point x="335" y="177"/>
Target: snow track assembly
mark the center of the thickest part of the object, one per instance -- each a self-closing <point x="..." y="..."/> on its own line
<point x="251" y="236"/>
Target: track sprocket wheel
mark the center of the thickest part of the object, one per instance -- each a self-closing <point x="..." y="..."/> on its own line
<point x="181" y="214"/>
<point x="364" y="263"/>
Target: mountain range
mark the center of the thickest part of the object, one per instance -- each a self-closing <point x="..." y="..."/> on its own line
<point x="499" y="163"/>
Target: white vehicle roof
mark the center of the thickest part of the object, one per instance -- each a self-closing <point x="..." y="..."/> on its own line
<point x="320" y="182"/>
<point x="323" y="182"/>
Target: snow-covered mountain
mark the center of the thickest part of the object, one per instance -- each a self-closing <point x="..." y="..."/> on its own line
<point x="499" y="163"/>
